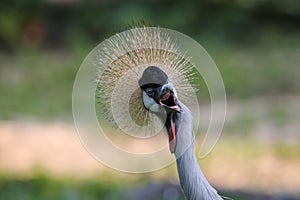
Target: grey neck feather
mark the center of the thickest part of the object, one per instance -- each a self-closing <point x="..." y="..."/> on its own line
<point x="194" y="184"/>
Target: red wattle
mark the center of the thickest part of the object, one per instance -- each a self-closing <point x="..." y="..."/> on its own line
<point x="172" y="136"/>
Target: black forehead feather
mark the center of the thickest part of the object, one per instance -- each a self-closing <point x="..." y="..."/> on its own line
<point x="153" y="76"/>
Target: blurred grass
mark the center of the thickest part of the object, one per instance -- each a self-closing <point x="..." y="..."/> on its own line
<point x="39" y="82"/>
<point x="47" y="188"/>
<point x="43" y="187"/>
<point x="266" y="64"/>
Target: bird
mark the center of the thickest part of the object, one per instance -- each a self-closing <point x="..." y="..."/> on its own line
<point x="158" y="90"/>
<point x="147" y="63"/>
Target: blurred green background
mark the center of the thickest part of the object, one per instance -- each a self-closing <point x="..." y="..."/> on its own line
<point x="255" y="44"/>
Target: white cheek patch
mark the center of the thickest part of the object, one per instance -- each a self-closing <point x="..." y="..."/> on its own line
<point x="149" y="103"/>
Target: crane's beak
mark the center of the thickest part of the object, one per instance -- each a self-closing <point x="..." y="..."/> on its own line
<point x="169" y="101"/>
<point x="168" y="98"/>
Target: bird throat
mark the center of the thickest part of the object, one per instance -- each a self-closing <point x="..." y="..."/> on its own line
<point x="172" y="134"/>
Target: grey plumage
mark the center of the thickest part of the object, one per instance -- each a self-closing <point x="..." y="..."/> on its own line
<point x="181" y="138"/>
<point x="192" y="180"/>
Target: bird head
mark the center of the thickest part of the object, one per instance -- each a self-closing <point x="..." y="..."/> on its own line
<point x="136" y="84"/>
<point x="159" y="95"/>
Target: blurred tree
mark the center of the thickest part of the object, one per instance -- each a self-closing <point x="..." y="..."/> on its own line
<point x="49" y="22"/>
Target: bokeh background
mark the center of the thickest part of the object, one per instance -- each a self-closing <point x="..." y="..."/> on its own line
<point x="255" y="44"/>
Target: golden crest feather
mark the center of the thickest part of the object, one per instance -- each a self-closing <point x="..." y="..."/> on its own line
<point x="120" y="64"/>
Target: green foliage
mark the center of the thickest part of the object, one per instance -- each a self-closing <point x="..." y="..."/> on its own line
<point x="37" y="83"/>
<point x="233" y="20"/>
<point x="43" y="187"/>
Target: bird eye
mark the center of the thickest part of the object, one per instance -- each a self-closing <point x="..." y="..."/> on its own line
<point x="149" y="92"/>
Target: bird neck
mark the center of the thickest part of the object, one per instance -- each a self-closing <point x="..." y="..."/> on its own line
<point x="194" y="184"/>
